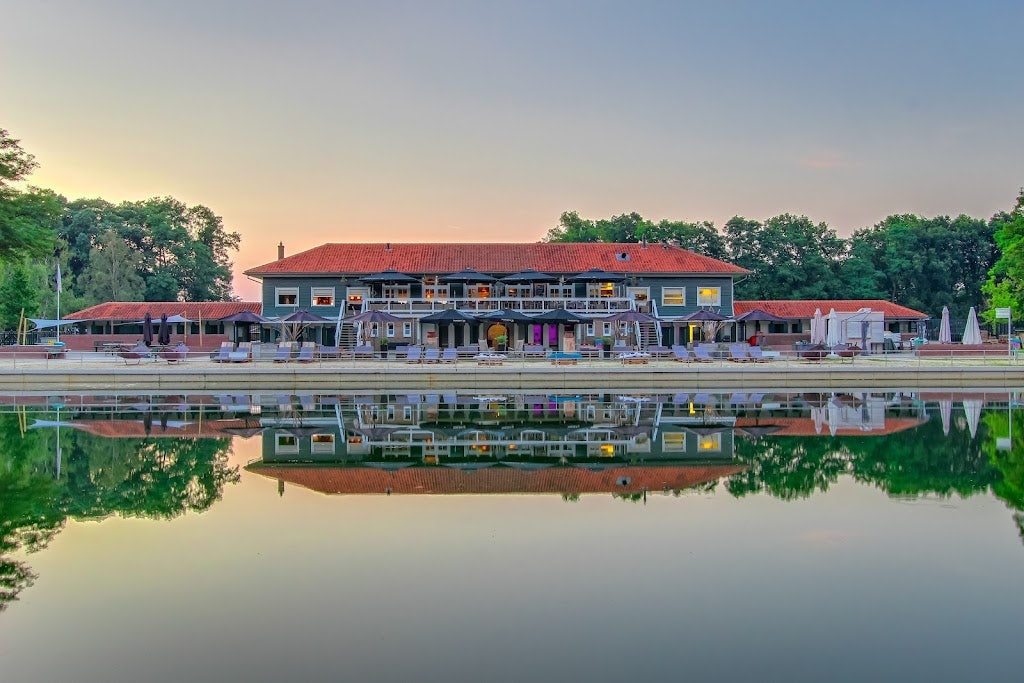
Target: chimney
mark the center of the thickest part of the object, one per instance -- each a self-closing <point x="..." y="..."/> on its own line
<point x="387" y="247"/>
<point x="280" y="250"/>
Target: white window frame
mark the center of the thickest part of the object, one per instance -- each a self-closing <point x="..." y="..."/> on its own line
<point x="286" y="291"/>
<point x="710" y="443"/>
<point x="590" y="329"/>
<point x="680" y="290"/>
<point x="716" y="300"/>
<point x="390" y="330"/>
<point x="673" y="442"/>
<point x="286" y="448"/>
<point x="396" y="292"/>
<point x="322" y="443"/>
<point x="318" y="292"/>
<point x="407" y="330"/>
<point x="639" y="294"/>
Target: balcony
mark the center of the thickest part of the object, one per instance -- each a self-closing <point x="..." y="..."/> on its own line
<point x="530" y="306"/>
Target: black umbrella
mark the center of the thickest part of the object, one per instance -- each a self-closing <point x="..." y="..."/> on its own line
<point x="375" y="317"/>
<point x="704" y="315"/>
<point x="758" y="315"/>
<point x="147" y="329"/>
<point x="163" y="336"/>
<point x="387" y="276"/>
<point x="528" y="275"/>
<point x="302" y="316"/>
<point x="467" y="275"/>
<point x="506" y="315"/>
<point x="597" y="275"/>
<point x="632" y="316"/>
<point x="243" y="317"/>
<point x="560" y="315"/>
<point x="448" y="315"/>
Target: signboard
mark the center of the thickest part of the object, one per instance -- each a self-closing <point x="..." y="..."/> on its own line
<point x="1003" y="313"/>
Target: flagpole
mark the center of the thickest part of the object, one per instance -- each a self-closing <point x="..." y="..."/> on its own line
<point x="59" y="287"/>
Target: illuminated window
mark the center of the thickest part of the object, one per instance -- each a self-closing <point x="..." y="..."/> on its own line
<point x="480" y="292"/>
<point x="287" y="296"/>
<point x="709" y="296"/>
<point x="673" y="442"/>
<point x="322" y="296"/>
<point x="709" y="443"/>
<point x="322" y="443"/>
<point x="673" y="296"/>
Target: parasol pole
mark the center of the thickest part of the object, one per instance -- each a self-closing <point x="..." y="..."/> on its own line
<point x="200" y="327"/>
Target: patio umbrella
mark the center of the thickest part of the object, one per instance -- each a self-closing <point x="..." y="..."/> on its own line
<point x="163" y="336"/>
<point x="832" y="336"/>
<point x="293" y="324"/>
<point x="945" y="336"/>
<point x="528" y="275"/>
<point x="704" y="315"/>
<point x="468" y="275"/>
<point x="506" y="315"/>
<point x="597" y="275"/>
<point x="147" y="329"/>
<point x="388" y="276"/>
<point x="972" y="410"/>
<point x="375" y="317"/>
<point x="972" y="333"/>
<point x="559" y="315"/>
<point x="817" y="328"/>
<point x="632" y="316"/>
<point x="448" y="315"/>
<point x="757" y="315"/>
<point x="241" y="317"/>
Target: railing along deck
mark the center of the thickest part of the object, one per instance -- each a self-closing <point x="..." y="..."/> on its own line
<point x="599" y="306"/>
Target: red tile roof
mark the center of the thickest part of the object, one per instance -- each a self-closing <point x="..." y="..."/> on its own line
<point x="497" y="479"/>
<point x="504" y="259"/>
<point x="193" y="310"/>
<point x="137" y="429"/>
<point x="785" y="308"/>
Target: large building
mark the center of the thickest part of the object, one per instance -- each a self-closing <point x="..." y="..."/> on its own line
<point x="412" y="281"/>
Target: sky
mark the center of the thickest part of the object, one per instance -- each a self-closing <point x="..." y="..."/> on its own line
<point x="330" y="121"/>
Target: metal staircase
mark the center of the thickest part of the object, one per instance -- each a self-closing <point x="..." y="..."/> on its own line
<point x="648" y="334"/>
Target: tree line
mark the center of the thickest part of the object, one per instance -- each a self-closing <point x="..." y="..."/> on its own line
<point x="157" y="249"/>
<point x="922" y="263"/>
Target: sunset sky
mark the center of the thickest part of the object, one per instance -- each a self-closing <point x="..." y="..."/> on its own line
<point x="308" y="122"/>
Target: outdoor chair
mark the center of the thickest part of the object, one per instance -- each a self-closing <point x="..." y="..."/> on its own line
<point x="243" y="354"/>
<point x="534" y="350"/>
<point x="738" y="354"/>
<point x="450" y="355"/>
<point x="659" y="350"/>
<point x="702" y="354"/>
<point x="221" y="355"/>
<point x="413" y="354"/>
<point x="284" y="352"/>
<point x="176" y="355"/>
<point x="634" y="358"/>
<point x="431" y="355"/>
<point x="136" y="353"/>
<point x="681" y="354"/>
<point x="757" y="355"/>
<point x="363" y="351"/>
<point x="306" y="352"/>
<point x="327" y="351"/>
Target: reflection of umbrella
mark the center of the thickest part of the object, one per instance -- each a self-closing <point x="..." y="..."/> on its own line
<point x="632" y="316"/>
<point x="833" y="417"/>
<point x="945" y="336"/>
<point x="972" y="409"/>
<point x="244" y="432"/>
<point x="818" y="415"/>
<point x="147" y="329"/>
<point x="467" y="275"/>
<point x="758" y="431"/>
<point x="832" y="335"/>
<point x="597" y="275"/>
<point x="817" y="328"/>
<point x="163" y="336"/>
<point x="945" y="411"/>
<point x="528" y="275"/>
<point x="375" y="317"/>
<point x="972" y="333"/>
<point x="376" y="433"/>
<point x="560" y="315"/>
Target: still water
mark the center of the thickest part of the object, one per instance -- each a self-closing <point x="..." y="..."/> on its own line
<point x="467" y="537"/>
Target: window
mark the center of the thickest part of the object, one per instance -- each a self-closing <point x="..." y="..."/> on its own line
<point x="600" y="289"/>
<point x="710" y="443"/>
<point x="287" y="296"/>
<point x="390" y="330"/>
<point x="432" y="289"/>
<point x="560" y="291"/>
<point x="406" y="329"/>
<point x="286" y="444"/>
<point x="322" y="296"/>
<point x="322" y="443"/>
<point x="709" y="296"/>
<point x="374" y="329"/>
<point x="673" y="296"/>
<point x="590" y="329"/>
<point x="606" y="329"/>
<point x="480" y="292"/>
<point x="396" y="291"/>
<point x="673" y="442"/>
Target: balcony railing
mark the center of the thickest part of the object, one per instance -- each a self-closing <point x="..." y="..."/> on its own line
<point x="530" y="306"/>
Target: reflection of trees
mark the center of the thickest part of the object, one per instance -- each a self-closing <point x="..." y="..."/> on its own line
<point x="157" y="478"/>
<point x="1008" y="463"/>
<point x="787" y="467"/>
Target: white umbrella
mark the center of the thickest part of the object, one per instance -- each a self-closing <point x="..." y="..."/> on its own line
<point x="945" y="411"/>
<point x="972" y="333"/>
<point x="818" y="415"/>
<point x="945" y="337"/>
<point x="972" y="409"/>
<point x="833" y="329"/>
<point x="817" y="328"/>
<point x="833" y="417"/>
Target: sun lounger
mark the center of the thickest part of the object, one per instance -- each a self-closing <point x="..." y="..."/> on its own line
<point x="449" y="355"/>
<point x="564" y="357"/>
<point x="634" y="358"/>
<point x="221" y="355"/>
<point x="243" y="354"/>
<point x="702" y="354"/>
<point x="657" y="350"/>
<point x="681" y="354"/>
<point x="284" y="352"/>
<point x="758" y="356"/>
<point x="738" y="354"/>
<point x="413" y="354"/>
<point x="176" y="355"/>
<point x="327" y="351"/>
<point x="490" y="358"/>
<point x="431" y="355"/>
<point x="468" y="350"/>
<point x="306" y="353"/>
<point x="363" y="351"/>
<point x="136" y="353"/>
<point x="534" y="350"/>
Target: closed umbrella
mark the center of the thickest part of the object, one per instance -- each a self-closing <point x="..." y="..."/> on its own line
<point x="147" y="329"/>
<point x="163" y="336"/>
<point x="972" y="333"/>
<point x="817" y="328"/>
<point x="945" y="336"/>
<point x="972" y="411"/>
<point x="832" y="335"/>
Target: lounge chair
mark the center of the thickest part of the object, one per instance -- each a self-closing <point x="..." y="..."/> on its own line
<point x="327" y="351"/>
<point x="136" y="353"/>
<point x="490" y="358"/>
<point x="535" y="350"/>
<point x="757" y="355"/>
<point x="738" y="354"/>
<point x="284" y="352"/>
<point x="634" y="358"/>
<point x="431" y="355"/>
<point x="243" y="354"/>
<point x="659" y="350"/>
<point x="306" y="352"/>
<point x="468" y="350"/>
<point x="176" y="355"/>
<point x="681" y="354"/>
<point x="702" y="354"/>
<point x="363" y="351"/>
<point x="413" y="354"/>
<point x="450" y="355"/>
<point x="221" y="355"/>
<point x="619" y="349"/>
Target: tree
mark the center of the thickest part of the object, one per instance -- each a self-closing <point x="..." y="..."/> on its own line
<point x="112" y="271"/>
<point x="1005" y="284"/>
<point x="28" y="219"/>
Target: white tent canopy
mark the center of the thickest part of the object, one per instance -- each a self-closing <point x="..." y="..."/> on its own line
<point x="42" y="323"/>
